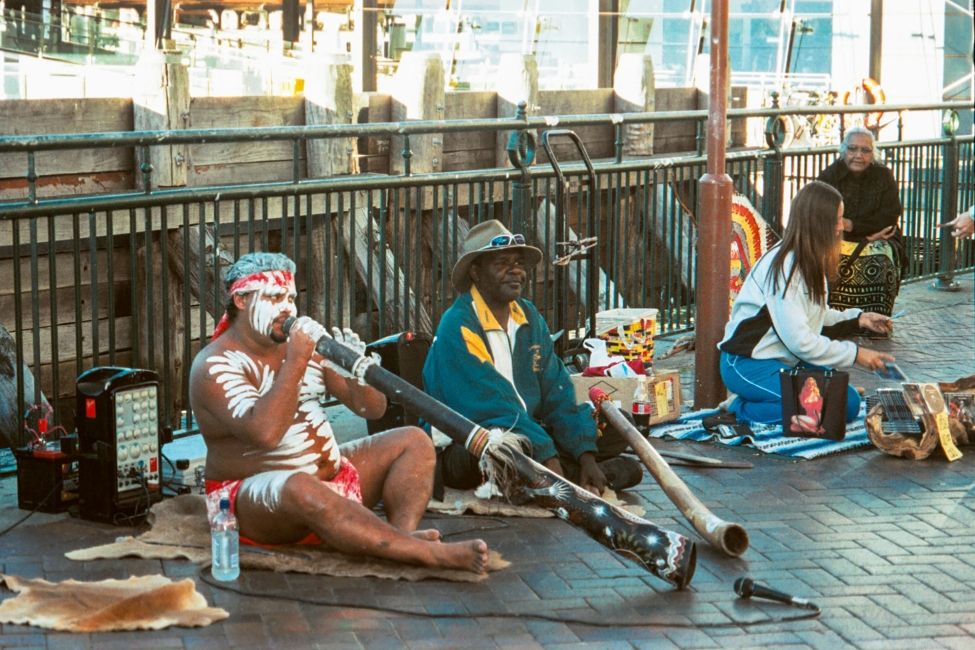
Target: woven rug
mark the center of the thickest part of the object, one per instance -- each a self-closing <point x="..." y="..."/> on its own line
<point x="765" y="437"/>
<point x="180" y="530"/>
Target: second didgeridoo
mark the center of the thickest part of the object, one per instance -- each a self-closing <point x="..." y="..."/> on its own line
<point x="729" y="538"/>
<point x="666" y="554"/>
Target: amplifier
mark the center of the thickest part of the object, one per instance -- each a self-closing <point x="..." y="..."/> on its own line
<point x="402" y="354"/>
<point x="118" y="443"/>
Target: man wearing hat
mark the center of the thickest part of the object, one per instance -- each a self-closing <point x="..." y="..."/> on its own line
<point x="492" y="360"/>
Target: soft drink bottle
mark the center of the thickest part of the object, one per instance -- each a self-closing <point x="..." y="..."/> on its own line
<point x="642" y="406"/>
<point x="225" y="544"/>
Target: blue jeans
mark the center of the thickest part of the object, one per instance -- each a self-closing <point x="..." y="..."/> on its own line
<point x="756" y="383"/>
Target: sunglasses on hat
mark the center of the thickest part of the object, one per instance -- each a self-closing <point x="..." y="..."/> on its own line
<point x="506" y="240"/>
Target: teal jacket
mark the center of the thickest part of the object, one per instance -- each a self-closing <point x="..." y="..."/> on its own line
<point x="459" y="371"/>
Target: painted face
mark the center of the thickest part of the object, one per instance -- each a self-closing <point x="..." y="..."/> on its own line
<point x="859" y="153"/>
<point x="269" y="307"/>
<point x="271" y="301"/>
<point x="501" y="276"/>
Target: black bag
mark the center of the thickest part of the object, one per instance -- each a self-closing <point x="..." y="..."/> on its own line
<point x="814" y="403"/>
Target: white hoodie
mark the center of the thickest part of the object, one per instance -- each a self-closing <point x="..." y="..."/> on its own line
<point x="787" y="325"/>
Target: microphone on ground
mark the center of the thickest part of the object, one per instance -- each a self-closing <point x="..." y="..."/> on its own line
<point x="748" y="588"/>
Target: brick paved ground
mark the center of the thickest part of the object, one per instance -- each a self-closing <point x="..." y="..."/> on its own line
<point x="885" y="547"/>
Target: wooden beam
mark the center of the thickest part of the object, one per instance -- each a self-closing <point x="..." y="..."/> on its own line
<point x="290" y="19"/>
<point x="418" y="94"/>
<point x="517" y="81"/>
<point x="577" y="271"/>
<point x="365" y="243"/>
<point x="635" y="91"/>
<point x="609" y="11"/>
<point x="365" y="46"/>
<point x="162" y="104"/>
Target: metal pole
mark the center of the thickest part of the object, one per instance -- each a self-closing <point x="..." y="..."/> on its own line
<point x="876" y="38"/>
<point x="521" y="153"/>
<point x="949" y="208"/>
<point x="714" y="225"/>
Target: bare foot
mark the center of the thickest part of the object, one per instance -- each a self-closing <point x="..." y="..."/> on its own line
<point x="427" y="534"/>
<point x="468" y="556"/>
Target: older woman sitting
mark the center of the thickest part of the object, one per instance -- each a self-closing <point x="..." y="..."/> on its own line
<point x="873" y="250"/>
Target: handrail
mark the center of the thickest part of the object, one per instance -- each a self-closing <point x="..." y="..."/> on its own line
<point x="49" y="142"/>
<point x="362" y="182"/>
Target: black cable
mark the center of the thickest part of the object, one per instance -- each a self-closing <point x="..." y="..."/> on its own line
<point x="224" y="586"/>
<point x="501" y="524"/>
<point x="37" y="507"/>
<point x="493" y="615"/>
<point x="137" y="516"/>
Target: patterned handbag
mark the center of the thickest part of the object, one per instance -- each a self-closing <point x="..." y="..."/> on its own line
<point x="814" y="402"/>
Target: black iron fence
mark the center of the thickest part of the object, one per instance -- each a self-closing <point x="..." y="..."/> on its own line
<point x="131" y="278"/>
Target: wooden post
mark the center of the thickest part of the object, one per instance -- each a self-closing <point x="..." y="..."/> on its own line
<point x="609" y="13"/>
<point x="517" y="81"/>
<point x="364" y="43"/>
<point x="161" y="103"/>
<point x="328" y="100"/>
<point x="635" y="92"/>
<point x="207" y="288"/>
<point x="418" y="94"/>
<point x="290" y="19"/>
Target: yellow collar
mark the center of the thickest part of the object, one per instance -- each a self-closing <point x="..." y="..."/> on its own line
<point x="487" y="319"/>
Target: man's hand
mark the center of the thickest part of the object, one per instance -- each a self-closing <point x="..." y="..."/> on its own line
<point x="963" y="225"/>
<point x="876" y="322"/>
<point x="349" y="339"/>
<point x="591" y="477"/>
<point x="303" y="336"/>
<point x="873" y="360"/>
<point x="554" y="465"/>
<point x="884" y="234"/>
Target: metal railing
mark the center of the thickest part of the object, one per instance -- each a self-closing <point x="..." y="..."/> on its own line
<point x="130" y="278"/>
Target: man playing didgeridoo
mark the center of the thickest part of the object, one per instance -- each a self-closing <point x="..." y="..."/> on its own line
<point x="258" y="396"/>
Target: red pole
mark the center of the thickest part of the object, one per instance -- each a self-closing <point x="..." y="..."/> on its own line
<point x="714" y="225"/>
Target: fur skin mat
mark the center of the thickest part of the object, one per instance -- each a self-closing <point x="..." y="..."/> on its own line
<point x="180" y="530"/>
<point x="139" y="603"/>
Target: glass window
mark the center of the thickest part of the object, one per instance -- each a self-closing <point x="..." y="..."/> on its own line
<point x="472" y="35"/>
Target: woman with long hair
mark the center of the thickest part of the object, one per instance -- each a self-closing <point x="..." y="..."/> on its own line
<point x="781" y="318"/>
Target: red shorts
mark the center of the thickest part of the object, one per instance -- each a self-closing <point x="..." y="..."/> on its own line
<point x="345" y="483"/>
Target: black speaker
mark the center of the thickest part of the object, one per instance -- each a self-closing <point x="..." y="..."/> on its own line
<point x="402" y="354"/>
<point x="118" y="443"/>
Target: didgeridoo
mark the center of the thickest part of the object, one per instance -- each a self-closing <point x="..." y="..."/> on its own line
<point x="666" y="554"/>
<point x="730" y="538"/>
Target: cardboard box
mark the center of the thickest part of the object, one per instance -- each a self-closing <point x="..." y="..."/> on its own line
<point x="664" y="386"/>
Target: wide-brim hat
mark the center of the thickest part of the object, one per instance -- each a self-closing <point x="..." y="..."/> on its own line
<point x="489" y="237"/>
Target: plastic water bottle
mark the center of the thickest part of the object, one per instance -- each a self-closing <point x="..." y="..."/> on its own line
<point x="225" y="544"/>
<point x="642" y="407"/>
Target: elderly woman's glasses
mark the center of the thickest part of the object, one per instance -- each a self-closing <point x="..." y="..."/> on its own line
<point x="864" y="150"/>
<point x="507" y="240"/>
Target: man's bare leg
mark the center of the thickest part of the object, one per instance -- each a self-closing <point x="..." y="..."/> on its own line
<point x="396" y="466"/>
<point x="347" y="526"/>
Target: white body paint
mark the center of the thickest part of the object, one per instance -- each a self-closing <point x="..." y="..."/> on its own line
<point x="309" y="442"/>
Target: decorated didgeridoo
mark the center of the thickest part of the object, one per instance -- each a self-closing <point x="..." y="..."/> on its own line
<point x="730" y="538"/>
<point x="666" y="554"/>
